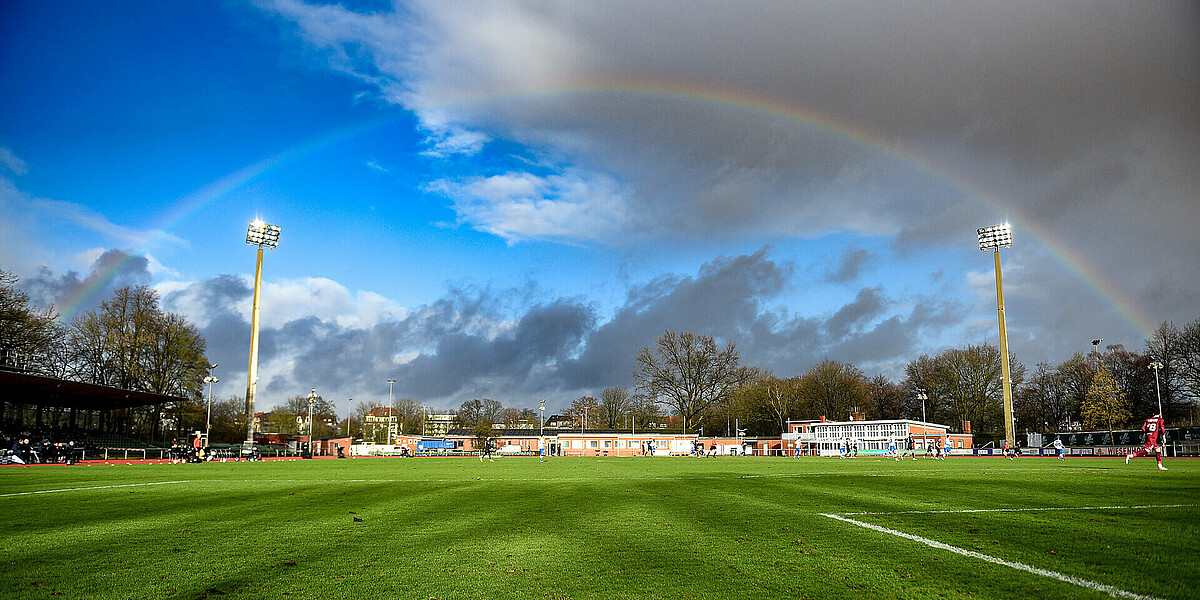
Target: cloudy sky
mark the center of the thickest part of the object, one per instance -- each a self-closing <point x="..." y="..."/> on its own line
<point x="508" y="200"/>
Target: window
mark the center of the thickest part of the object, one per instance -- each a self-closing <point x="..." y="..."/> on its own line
<point x="593" y="444"/>
<point x="607" y="444"/>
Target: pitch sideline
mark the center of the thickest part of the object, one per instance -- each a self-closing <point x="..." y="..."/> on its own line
<point x="1085" y="583"/>
<point x="98" y="487"/>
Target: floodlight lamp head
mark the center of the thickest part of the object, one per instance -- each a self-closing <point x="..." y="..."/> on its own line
<point x="262" y="234"/>
<point x="1096" y="342"/>
<point x="995" y="237"/>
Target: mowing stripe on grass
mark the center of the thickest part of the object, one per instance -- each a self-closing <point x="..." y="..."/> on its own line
<point x="1091" y="585"/>
<point x="98" y="487"/>
<point x="1042" y="509"/>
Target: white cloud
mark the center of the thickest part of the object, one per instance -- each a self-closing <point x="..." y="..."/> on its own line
<point x="521" y="206"/>
<point x="87" y="218"/>
<point x="290" y="300"/>
<point x="12" y="161"/>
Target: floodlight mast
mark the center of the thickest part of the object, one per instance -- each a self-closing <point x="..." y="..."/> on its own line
<point x="994" y="238"/>
<point x="262" y="235"/>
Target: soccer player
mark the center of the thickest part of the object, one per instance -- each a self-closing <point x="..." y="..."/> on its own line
<point x="1008" y="450"/>
<point x="1058" y="448"/>
<point x="486" y="451"/>
<point x="892" y="449"/>
<point x="541" y="449"/>
<point x="1155" y="429"/>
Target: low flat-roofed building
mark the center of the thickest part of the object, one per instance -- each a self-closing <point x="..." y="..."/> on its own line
<point x="824" y="438"/>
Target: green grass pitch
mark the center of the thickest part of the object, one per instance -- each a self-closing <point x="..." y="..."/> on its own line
<point x="659" y="528"/>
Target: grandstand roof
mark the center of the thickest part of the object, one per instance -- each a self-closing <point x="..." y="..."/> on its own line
<point x="48" y="391"/>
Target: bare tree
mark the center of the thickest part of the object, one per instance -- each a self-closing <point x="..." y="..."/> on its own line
<point x="834" y="389"/>
<point x="643" y="410"/>
<point x="689" y="373"/>
<point x="1042" y="402"/>
<point x="511" y="417"/>
<point x="781" y="398"/>
<point x="27" y="335"/>
<point x="887" y="398"/>
<point x="412" y="415"/>
<point x="614" y="405"/>
<point x="964" y="384"/>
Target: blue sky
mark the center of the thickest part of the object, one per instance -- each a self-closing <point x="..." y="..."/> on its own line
<point x="508" y="200"/>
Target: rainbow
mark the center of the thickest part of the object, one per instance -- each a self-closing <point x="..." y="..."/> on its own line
<point x="182" y="209"/>
<point x="722" y="98"/>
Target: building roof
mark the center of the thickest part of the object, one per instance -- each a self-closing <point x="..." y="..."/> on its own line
<point x="560" y="431"/>
<point x="47" y="391"/>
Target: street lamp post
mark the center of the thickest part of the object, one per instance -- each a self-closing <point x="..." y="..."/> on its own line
<point x="264" y="236"/>
<point x="392" y="408"/>
<point x="542" y="426"/>
<point x="210" y="380"/>
<point x="994" y="238"/>
<point x="1156" y="365"/>
<point x="312" y="397"/>
<point x="922" y="397"/>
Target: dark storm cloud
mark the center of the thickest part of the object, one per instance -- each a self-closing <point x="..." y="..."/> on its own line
<point x="868" y="305"/>
<point x="922" y="121"/>
<point x="542" y="336"/>
<point x="724" y="300"/>
<point x="464" y="346"/>
<point x="112" y="270"/>
<point x="850" y="264"/>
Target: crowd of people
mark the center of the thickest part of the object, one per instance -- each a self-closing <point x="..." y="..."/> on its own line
<point x="24" y="450"/>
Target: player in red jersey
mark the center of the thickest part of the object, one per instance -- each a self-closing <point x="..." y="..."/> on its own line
<point x="1155" y="429"/>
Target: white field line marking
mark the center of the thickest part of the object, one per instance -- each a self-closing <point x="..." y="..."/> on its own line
<point x="1048" y="508"/>
<point x="1092" y="585"/>
<point x="469" y="479"/>
<point x="98" y="487"/>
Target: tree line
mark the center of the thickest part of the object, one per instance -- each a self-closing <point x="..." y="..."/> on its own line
<point x="128" y="342"/>
<point x="697" y="385"/>
<point x="705" y="387"/>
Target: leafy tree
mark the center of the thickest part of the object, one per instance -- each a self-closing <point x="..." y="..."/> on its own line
<point x="482" y="431"/>
<point x="228" y="420"/>
<point x="1105" y="405"/>
<point x="689" y="373"/>
<point x="585" y="406"/>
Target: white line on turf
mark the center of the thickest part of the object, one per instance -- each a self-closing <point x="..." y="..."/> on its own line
<point x="1041" y="509"/>
<point x="98" y="487"/>
<point x="1092" y="585"/>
